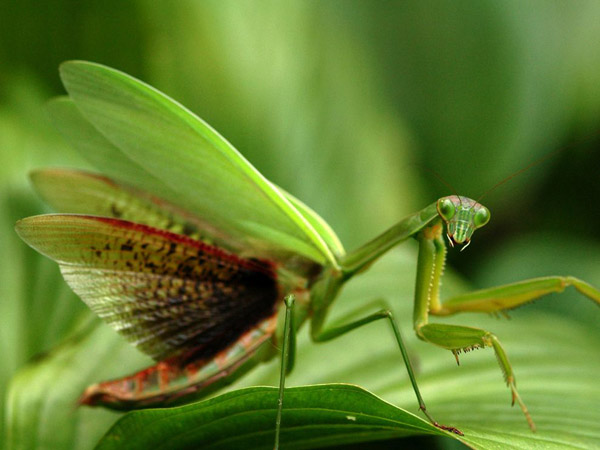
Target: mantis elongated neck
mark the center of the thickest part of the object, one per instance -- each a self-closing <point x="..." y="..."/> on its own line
<point x="362" y="257"/>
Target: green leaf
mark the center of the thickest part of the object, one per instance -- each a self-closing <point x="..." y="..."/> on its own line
<point x="315" y="416"/>
<point x="193" y="160"/>
<point x="41" y="402"/>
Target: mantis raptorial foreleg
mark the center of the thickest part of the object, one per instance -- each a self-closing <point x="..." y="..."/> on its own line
<point x="430" y="266"/>
<point x="458" y="338"/>
<point x="432" y="254"/>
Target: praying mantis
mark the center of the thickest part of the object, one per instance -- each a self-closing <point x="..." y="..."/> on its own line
<point x="190" y="253"/>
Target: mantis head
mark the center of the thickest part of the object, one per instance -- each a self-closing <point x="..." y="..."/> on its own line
<point x="462" y="216"/>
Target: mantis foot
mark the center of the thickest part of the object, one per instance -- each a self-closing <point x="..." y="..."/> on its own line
<point x="447" y="428"/>
<point x="439" y="425"/>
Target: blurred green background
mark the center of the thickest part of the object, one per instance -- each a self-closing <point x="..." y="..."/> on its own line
<point x="349" y="105"/>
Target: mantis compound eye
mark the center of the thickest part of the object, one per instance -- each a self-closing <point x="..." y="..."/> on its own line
<point x="446" y="209"/>
<point x="482" y="216"/>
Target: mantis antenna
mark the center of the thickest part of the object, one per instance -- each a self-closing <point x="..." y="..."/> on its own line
<point x="535" y="163"/>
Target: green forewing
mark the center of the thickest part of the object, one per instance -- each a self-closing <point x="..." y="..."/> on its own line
<point x="115" y="164"/>
<point x="202" y="172"/>
<point x="318" y="223"/>
<point x="102" y="154"/>
<point x="79" y="192"/>
<point x="166" y="293"/>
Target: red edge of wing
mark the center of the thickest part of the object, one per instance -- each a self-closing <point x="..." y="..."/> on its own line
<point x="257" y="265"/>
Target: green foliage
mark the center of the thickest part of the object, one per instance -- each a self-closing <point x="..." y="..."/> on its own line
<point x="318" y="415"/>
<point x="335" y="102"/>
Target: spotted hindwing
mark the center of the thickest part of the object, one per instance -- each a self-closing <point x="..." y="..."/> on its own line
<point x="168" y="294"/>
